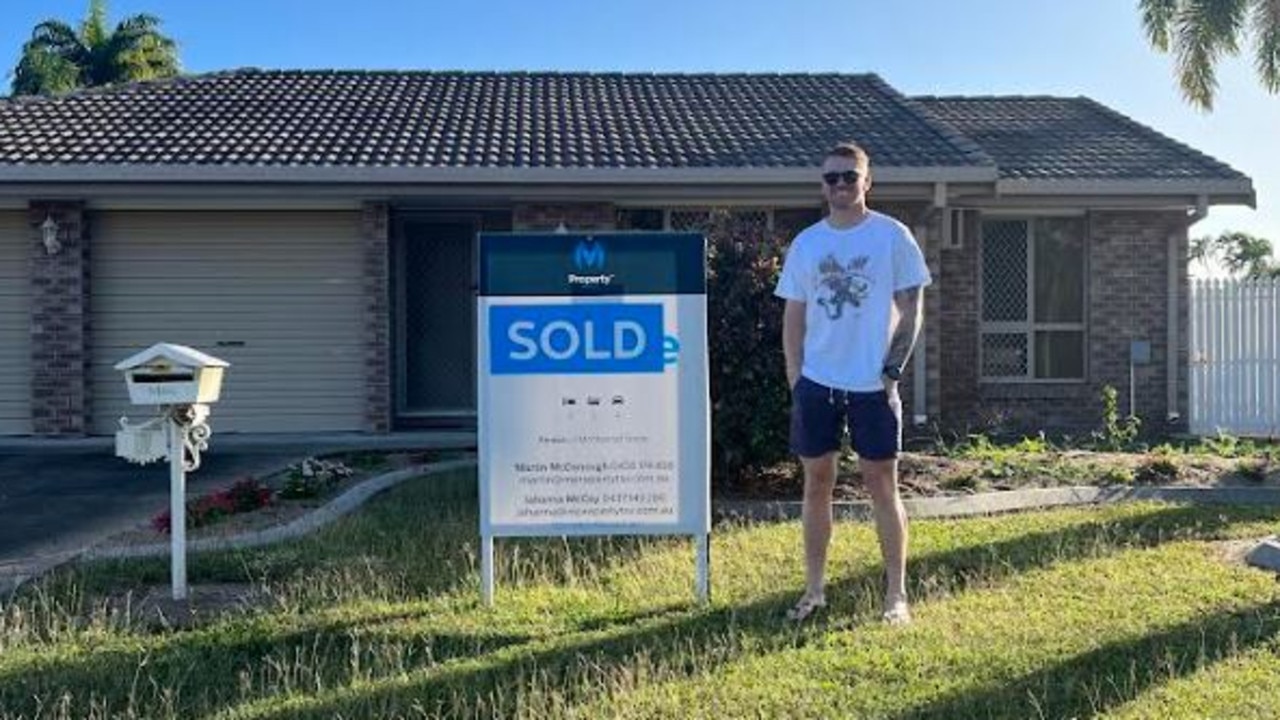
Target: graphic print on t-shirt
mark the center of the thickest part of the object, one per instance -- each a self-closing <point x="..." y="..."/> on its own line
<point x="839" y="285"/>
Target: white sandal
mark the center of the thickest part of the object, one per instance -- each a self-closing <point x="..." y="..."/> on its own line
<point x="897" y="612"/>
<point x="806" y="606"/>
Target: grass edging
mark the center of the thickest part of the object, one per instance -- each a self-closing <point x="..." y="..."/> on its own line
<point x="932" y="507"/>
<point x="314" y="520"/>
<point x="1009" y="501"/>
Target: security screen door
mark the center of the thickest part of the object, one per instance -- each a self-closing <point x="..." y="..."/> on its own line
<point x="435" y="283"/>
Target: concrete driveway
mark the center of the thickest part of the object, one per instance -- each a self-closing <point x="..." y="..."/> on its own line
<point x="58" y="497"/>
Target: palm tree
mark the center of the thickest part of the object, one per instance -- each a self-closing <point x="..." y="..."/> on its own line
<point x="57" y="58"/>
<point x="1202" y="32"/>
<point x="1240" y="253"/>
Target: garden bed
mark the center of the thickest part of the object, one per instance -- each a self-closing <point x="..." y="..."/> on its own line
<point x="980" y="465"/>
<point x="293" y="494"/>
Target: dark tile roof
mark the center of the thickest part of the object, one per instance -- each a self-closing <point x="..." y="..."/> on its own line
<point x="478" y="120"/>
<point x="1052" y="138"/>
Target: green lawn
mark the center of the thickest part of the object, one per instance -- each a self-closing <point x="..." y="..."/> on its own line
<point x="1122" y="611"/>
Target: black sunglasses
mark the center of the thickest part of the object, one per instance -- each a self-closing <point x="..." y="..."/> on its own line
<point x="850" y="177"/>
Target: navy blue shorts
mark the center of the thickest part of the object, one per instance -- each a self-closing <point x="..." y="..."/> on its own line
<point x="819" y="415"/>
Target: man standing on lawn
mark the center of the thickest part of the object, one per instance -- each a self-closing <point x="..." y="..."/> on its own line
<point x="853" y="284"/>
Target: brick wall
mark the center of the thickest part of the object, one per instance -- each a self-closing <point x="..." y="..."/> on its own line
<point x="1125" y="300"/>
<point x="374" y="224"/>
<point x="957" y="287"/>
<point x="59" y="321"/>
<point x="574" y="216"/>
<point x="926" y="224"/>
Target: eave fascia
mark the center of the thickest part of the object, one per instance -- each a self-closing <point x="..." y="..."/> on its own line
<point x="1184" y="192"/>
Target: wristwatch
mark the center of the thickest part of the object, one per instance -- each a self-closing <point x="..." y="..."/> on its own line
<point x="892" y="372"/>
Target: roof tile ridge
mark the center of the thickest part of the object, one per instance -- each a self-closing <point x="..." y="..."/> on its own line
<point x="944" y="129"/>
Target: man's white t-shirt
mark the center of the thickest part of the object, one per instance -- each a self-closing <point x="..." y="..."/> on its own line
<point x="847" y="278"/>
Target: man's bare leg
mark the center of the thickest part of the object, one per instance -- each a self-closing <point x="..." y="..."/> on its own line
<point x="819" y="484"/>
<point x="881" y="480"/>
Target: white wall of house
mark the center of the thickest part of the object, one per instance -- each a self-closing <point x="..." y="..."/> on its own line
<point x="15" y="325"/>
<point x="276" y="294"/>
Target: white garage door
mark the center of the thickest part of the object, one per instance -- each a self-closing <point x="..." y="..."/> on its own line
<point x="15" y="326"/>
<point x="276" y="294"/>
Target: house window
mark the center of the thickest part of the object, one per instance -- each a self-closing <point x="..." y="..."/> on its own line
<point x="1033" y="319"/>
<point x="640" y="218"/>
<point x="701" y="219"/>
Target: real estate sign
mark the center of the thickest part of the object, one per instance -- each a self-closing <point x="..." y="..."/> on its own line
<point x="593" y="397"/>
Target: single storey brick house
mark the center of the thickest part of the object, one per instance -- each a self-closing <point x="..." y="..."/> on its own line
<point x="317" y="230"/>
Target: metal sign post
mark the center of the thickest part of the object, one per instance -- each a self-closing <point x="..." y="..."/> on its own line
<point x="593" y="389"/>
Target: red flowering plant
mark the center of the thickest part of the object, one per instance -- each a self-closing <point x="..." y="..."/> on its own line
<point x="244" y="495"/>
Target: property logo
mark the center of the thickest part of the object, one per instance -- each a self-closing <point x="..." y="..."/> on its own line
<point x="589" y="256"/>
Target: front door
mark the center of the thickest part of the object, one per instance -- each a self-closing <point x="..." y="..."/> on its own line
<point x="435" y="320"/>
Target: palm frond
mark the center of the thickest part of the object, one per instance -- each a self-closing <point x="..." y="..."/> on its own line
<point x="54" y="35"/>
<point x="1205" y="30"/>
<point x="1157" y="18"/>
<point x="93" y="31"/>
<point x="1266" y="32"/>
<point x="140" y="23"/>
<point x="41" y="72"/>
<point x="138" y="51"/>
<point x="1223" y="21"/>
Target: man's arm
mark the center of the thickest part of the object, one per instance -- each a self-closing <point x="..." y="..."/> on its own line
<point x="793" y="325"/>
<point x="905" y="333"/>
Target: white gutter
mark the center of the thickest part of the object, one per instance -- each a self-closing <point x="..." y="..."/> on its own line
<point x="126" y="173"/>
<point x="1233" y="190"/>
<point x="1172" y="351"/>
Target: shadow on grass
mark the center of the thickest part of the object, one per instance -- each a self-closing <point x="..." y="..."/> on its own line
<point x="435" y="553"/>
<point x="695" y="641"/>
<point x="1093" y="682"/>
<point x="205" y="671"/>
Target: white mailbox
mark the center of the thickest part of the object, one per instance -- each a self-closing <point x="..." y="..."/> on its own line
<point x="166" y="374"/>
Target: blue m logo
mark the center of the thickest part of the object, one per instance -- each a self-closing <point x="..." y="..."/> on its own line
<point x="588" y="255"/>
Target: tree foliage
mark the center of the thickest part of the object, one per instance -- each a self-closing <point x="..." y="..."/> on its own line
<point x="750" y="400"/>
<point x="1241" y="254"/>
<point x="1199" y="33"/>
<point x="58" y="58"/>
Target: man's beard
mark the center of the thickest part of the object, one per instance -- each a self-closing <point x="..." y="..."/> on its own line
<point x="843" y="202"/>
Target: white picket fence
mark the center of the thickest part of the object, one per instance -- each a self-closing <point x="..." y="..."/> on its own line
<point x="1235" y="357"/>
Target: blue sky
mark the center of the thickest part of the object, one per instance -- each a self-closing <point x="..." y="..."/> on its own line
<point x="941" y="47"/>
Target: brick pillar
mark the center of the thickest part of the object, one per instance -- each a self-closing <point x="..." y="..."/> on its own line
<point x="374" y="224"/>
<point x="932" y="221"/>
<point x="925" y="222"/>
<point x="575" y="216"/>
<point x="59" y="321"/>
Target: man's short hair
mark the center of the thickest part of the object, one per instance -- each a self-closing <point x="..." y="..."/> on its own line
<point x="850" y="149"/>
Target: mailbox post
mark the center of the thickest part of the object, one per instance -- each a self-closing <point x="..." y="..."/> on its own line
<point x="181" y="382"/>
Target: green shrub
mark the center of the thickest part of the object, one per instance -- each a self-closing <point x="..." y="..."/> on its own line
<point x="1116" y="434"/>
<point x="750" y="399"/>
<point x="1252" y="470"/>
<point x="1223" y="445"/>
